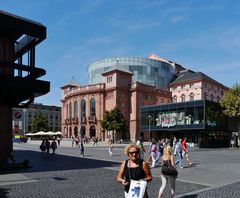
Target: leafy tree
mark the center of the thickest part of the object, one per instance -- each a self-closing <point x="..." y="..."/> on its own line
<point x="113" y="121"/>
<point x="231" y="103"/>
<point x="39" y="123"/>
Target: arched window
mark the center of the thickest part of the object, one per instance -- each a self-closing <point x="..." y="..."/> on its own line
<point x="83" y="108"/>
<point x="70" y="132"/>
<point x="75" y="109"/>
<point x="92" y="107"/>
<point x="92" y="131"/>
<point x="70" y="110"/>
<point x="67" y="115"/>
<point x="174" y="99"/>
<point x="83" y="131"/>
<point x="75" y="131"/>
<point x="192" y="97"/>
<point x="183" y="97"/>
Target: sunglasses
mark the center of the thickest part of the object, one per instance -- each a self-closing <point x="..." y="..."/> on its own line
<point x="136" y="152"/>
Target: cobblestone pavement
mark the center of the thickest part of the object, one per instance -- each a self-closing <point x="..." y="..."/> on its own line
<point x="69" y="175"/>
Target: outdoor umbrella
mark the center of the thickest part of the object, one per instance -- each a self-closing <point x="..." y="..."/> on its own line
<point x="41" y="133"/>
<point x="50" y="133"/>
<point x="58" y="133"/>
<point x="29" y="134"/>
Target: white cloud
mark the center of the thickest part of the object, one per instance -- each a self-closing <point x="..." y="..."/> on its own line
<point x="179" y="18"/>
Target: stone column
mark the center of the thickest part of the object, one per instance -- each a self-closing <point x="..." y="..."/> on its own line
<point x="6" y="55"/>
<point x="5" y="134"/>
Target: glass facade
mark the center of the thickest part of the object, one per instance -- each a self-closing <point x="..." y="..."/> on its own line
<point x="200" y="120"/>
<point x="174" y="116"/>
<point x="145" y="70"/>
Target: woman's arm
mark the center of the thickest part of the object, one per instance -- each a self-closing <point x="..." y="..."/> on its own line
<point x="120" y="176"/>
<point x="172" y="161"/>
<point x="147" y="172"/>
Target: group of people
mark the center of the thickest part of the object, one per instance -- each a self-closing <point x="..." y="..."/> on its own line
<point x="46" y="145"/>
<point x="181" y="151"/>
<point x="136" y="168"/>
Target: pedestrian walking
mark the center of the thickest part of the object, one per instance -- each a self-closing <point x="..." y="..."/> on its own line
<point x="81" y="148"/>
<point x="159" y="150"/>
<point x="142" y="150"/>
<point x="48" y="146"/>
<point x="53" y="147"/>
<point x="185" y="151"/>
<point x="95" y="141"/>
<point x="178" y="153"/>
<point x="133" y="168"/>
<point x="72" y="141"/>
<point x="149" y="160"/>
<point x="110" y="147"/>
<point x="58" y="140"/>
<point x="43" y="147"/>
<point x="77" y="141"/>
<point x="153" y="153"/>
<point x="174" y="141"/>
<point x="168" y="160"/>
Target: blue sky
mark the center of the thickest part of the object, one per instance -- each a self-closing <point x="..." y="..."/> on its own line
<point x="202" y="35"/>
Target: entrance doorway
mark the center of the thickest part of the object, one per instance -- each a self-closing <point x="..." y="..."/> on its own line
<point x="92" y="131"/>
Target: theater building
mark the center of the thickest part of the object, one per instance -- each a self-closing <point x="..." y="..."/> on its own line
<point x="146" y="90"/>
<point x="126" y="83"/>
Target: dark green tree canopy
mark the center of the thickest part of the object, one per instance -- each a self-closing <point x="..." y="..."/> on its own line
<point x="231" y="102"/>
<point x="113" y="120"/>
<point x="39" y="123"/>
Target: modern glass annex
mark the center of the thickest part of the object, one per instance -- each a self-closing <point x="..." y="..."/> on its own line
<point x="201" y="121"/>
<point x="146" y="70"/>
<point x="199" y="114"/>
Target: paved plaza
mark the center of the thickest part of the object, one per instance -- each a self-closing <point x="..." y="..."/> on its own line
<point x="215" y="173"/>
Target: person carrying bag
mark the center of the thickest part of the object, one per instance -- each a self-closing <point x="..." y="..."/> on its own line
<point x="169" y="169"/>
<point x="134" y="174"/>
<point x="168" y="172"/>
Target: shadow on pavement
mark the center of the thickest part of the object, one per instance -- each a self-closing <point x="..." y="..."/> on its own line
<point x="191" y="166"/>
<point x="4" y="192"/>
<point x="190" y="196"/>
<point x="57" y="163"/>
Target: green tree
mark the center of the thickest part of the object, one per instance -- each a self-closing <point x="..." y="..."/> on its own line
<point x="231" y="104"/>
<point x="113" y="121"/>
<point x="39" y="123"/>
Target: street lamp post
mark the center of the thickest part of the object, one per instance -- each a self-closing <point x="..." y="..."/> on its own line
<point x="24" y="121"/>
<point x="149" y="128"/>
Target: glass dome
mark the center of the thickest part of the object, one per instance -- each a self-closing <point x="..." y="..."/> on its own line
<point x="149" y="71"/>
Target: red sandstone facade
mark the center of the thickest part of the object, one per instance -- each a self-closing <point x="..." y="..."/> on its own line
<point x="117" y="90"/>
